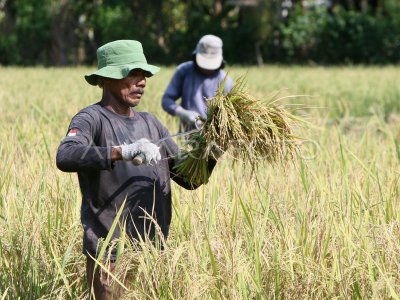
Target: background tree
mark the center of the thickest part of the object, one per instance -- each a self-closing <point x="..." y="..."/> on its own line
<point x="68" y="32"/>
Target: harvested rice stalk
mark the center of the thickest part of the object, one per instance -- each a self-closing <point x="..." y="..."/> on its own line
<point x="253" y="130"/>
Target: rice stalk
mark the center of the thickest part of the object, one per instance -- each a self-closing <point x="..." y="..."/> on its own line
<point x="251" y="130"/>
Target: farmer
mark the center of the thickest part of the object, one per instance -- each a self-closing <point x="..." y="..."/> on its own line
<point x="102" y="141"/>
<point x="196" y="81"/>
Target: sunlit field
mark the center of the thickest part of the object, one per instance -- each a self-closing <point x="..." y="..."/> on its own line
<point x="324" y="226"/>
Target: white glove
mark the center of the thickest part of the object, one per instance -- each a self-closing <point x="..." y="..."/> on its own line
<point x="143" y="147"/>
<point x="187" y="116"/>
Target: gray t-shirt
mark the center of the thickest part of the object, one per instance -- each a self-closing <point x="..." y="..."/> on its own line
<point x="105" y="184"/>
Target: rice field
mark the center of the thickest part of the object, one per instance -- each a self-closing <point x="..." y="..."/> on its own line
<point x="325" y="226"/>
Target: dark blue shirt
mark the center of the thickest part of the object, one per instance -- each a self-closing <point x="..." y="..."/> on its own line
<point x="194" y="88"/>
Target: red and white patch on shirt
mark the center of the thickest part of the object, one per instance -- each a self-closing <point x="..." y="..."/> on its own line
<point x="72" y="132"/>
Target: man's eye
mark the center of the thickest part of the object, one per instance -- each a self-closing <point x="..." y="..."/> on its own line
<point x="136" y="72"/>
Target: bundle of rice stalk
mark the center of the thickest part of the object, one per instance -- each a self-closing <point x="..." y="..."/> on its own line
<point x="250" y="129"/>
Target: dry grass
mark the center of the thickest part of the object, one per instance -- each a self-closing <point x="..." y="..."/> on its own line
<point x="252" y="130"/>
<point x="327" y="226"/>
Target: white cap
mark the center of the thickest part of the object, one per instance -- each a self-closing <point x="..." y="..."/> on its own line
<point x="209" y="52"/>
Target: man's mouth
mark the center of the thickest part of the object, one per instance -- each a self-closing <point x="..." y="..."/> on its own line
<point x="137" y="93"/>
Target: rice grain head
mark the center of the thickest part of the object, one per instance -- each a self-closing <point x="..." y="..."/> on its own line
<point x="250" y="129"/>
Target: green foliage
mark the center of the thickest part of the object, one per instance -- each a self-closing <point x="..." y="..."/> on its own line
<point x="340" y="37"/>
<point x="27" y="32"/>
<point x="68" y="32"/>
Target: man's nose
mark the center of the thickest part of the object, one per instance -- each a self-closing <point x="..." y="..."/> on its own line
<point x="141" y="80"/>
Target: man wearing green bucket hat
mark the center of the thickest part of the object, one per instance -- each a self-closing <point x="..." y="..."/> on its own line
<point x="100" y="145"/>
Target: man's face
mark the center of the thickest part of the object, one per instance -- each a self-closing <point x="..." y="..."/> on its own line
<point x="129" y="90"/>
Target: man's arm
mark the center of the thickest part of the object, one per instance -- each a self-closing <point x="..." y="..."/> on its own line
<point x="172" y="151"/>
<point x="182" y="181"/>
<point x="229" y="82"/>
<point x="78" y="152"/>
<point x="173" y="92"/>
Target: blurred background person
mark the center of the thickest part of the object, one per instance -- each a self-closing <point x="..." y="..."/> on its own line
<point x="195" y="81"/>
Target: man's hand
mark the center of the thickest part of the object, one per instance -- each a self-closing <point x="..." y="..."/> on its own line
<point x="187" y="116"/>
<point x="149" y="152"/>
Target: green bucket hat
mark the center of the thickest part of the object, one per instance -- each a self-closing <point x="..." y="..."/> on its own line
<point x="116" y="59"/>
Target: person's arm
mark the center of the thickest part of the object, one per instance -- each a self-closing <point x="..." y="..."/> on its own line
<point x="173" y="92"/>
<point x="77" y="151"/>
<point x="229" y="82"/>
<point x="182" y="181"/>
<point x="228" y="85"/>
<point x="173" y="150"/>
